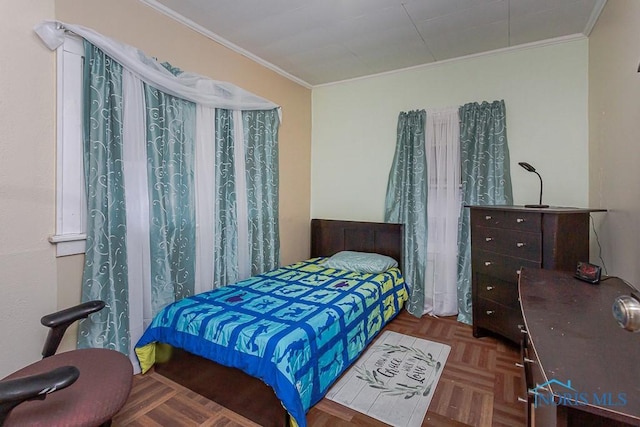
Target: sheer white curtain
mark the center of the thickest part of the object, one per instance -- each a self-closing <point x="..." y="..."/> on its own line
<point x="442" y="132"/>
<point x="190" y="86"/>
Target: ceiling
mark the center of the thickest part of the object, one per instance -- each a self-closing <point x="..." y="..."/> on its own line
<point x="316" y="42"/>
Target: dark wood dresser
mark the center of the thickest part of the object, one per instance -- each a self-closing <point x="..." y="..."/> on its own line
<point x="506" y="238"/>
<point x="581" y="368"/>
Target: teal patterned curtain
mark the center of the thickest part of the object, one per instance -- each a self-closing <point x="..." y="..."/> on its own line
<point x="225" y="251"/>
<point x="406" y="202"/>
<point x="486" y="180"/>
<point x="105" y="269"/>
<point x="261" y="159"/>
<point x="172" y="223"/>
<point x="162" y="130"/>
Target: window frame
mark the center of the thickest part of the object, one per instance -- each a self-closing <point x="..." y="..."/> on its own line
<point x="71" y="208"/>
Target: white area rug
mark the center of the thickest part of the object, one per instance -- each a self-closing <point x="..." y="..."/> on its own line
<point x="394" y="380"/>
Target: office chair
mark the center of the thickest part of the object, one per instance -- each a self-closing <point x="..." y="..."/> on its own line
<point x="84" y="387"/>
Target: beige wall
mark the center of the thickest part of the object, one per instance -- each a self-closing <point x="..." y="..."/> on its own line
<point x="545" y="93"/>
<point x="136" y="24"/>
<point x="614" y="152"/>
<point x="33" y="281"/>
<point x="27" y="201"/>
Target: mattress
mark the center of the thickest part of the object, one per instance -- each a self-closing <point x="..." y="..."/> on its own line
<point x="297" y="328"/>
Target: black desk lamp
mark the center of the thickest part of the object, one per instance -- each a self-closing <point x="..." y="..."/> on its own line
<point x="530" y="168"/>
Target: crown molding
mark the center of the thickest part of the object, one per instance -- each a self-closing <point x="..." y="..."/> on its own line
<point x="593" y="18"/>
<point x="532" y="45"/>
<point x="154" y="4"/>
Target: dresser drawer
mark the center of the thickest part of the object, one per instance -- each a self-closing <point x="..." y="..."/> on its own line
<point x="499" y="266"/>
<point x="498" y="318"/>
<point x="512" y="220"/>
<point x="497" y="290"/>
<point x="518" y="244"/>
<point x="486" y="218"/>
<point x="522" y="221"/>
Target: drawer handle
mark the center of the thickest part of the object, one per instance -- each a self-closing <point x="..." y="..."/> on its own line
<point x="520" y="244"/>
<point x="488" y="239"/>
<point x="489" y="288"/>
<point x="487" y="263"/>
<point x="487" y="217"/>
<point x="527" y="360"/>
<point x="490" y="312"/>
<point x="519" y="220"/>
<point x="519" y="365"/>
<point x="522" y="399"/>
<point x="523" y="331"/>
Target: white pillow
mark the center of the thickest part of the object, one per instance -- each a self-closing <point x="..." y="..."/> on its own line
<point x="361" y="262"/>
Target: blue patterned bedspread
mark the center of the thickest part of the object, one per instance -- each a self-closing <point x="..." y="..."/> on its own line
<point x="297" y="327"/>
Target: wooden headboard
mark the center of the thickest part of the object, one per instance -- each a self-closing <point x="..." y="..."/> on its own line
<point x="331" y="236"/>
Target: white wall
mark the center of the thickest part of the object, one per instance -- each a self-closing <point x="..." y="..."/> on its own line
<point x="614" y="117"/>
<point x="545" y="92"/>
<point x="27" y="199"/>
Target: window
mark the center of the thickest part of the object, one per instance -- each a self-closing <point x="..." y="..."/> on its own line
<point x="70" y="193"/>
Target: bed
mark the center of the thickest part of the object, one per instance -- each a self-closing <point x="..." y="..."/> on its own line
<point x="283" y="337"/>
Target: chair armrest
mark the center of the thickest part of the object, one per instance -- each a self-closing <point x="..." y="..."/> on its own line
<point x="59" y="321"/>
<point x="15" y="391"/>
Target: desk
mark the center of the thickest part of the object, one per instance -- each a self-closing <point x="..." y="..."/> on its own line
<point x="572" y="340"/>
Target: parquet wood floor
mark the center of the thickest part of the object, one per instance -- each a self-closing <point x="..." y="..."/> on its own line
<point x="479" y="386"/>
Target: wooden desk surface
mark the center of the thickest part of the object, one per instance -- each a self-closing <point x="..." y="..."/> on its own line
<point x="575" y="337"/>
